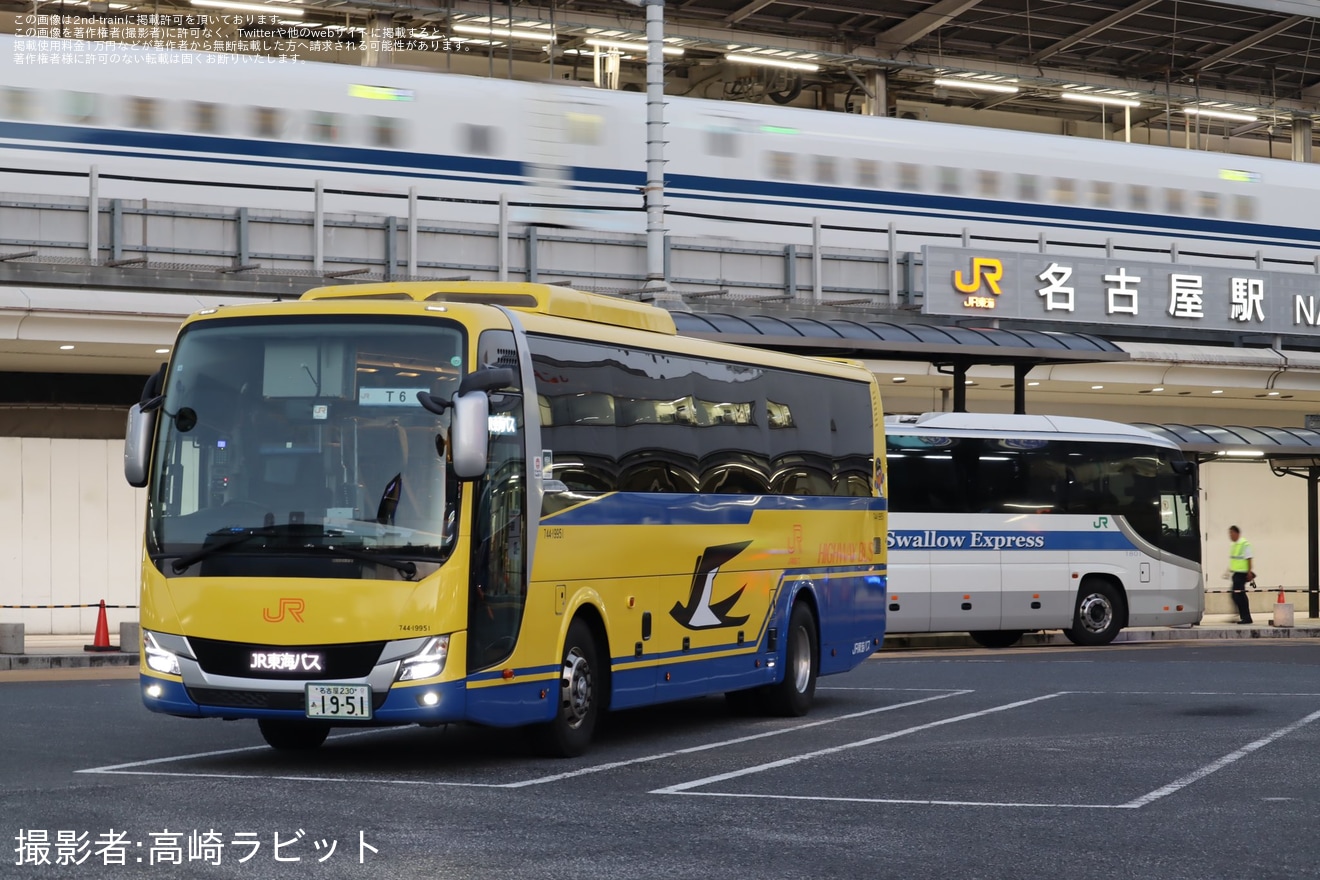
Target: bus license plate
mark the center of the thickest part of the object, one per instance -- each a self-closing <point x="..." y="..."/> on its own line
<point x="351" y="701"/>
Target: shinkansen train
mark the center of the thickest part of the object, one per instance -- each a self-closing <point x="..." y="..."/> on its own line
<point x="213" y="129"/>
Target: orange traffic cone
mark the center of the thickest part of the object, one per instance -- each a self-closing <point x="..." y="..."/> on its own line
<point x="1280" y="600"/>
<point x="101" y="641"/>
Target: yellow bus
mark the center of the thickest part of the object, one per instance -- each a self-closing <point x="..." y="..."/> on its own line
<point x="507" y="504"/>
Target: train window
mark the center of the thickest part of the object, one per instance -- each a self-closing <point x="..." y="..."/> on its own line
<point x="949" y="180"/>
<point x="266" y="122"/>
<point x="1028" y="188"/>
<point x="1139" y="197"/>
<point x="480" y="140"/>
<point x="1102" y="194"/>
<point x="1244" y="207"/>
<point x="204" y="117"/>
<point x="1065" y="191"/>
<point x="1208" y="204"/>
<point x="585" y="128"/>
<point x="723" y="140"/>
<point x="142" y="112"/>
<point x="779" y="165"/>
<point x="825" y="169"/>
<point x="386" y="131"/>
<point x="324" y="128"/>
<point x="987" y="183"/>
<point x="868" y="173"/>
<point x="909" y="176"/>
<point x="18" y="104"/>
<point x="1173" y="201"/>
<point x="80" y="107"/>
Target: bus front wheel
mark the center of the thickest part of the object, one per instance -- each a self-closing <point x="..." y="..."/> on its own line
<point x="569" y="734"/>
<point x="293" y="736"/>
<point x="792" y="697"/>
<point x="1099" y="614"/>
<point x="996" y="638"/>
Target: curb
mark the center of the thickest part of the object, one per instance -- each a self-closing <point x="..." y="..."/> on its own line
<point x="920" y="641"/>
<point x="11" y="662"/>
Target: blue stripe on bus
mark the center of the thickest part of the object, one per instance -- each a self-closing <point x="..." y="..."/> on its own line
<point x="657" y="508"/>
<point x="988" y="539"/>
<point x="726" y="190"/>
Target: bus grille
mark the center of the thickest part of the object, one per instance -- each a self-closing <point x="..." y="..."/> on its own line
<point x="289" y="700"/>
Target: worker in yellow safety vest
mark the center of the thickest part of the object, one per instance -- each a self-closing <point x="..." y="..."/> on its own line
<point x="1240" y="567"/>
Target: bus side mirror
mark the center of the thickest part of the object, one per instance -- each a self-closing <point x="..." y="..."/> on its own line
<point x="1184" y="468"/>
<point x="469" y="434"/>
<point x="137" y="444"/>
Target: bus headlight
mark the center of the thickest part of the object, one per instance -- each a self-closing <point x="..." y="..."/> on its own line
<point x="428" y="662"/>
<point x="158" y="658"/>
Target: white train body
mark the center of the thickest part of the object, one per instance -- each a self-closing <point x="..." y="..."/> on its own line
<point x="213" y="129"/>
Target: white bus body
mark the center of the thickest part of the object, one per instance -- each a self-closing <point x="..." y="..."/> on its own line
<point x="1003" y="524"/>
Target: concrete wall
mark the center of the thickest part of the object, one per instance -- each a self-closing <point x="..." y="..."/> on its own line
<point x="72" y="532"/>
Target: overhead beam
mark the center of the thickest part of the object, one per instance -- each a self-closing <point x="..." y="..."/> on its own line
<point x="908" y="32"/>
<point x="1091" y="30"/>
<point x="747" y="9"/>
<point x="1247" y="43"/>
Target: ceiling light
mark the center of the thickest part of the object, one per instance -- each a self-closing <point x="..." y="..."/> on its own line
<point x="66" y="348"/>
<point x="630" y="47"/>
<point x="277" y="9"/>
<point x="1271" y="394"/>
<point x="1217" y="391"/>
<point x="771" y="61"/>
<point x="968" y="382"/>
<point x="502" y="32"/>
<point x="1218" y="114"/>
<point x="977" y="85"/>
<point x="900" y="378"/>
<point x="1092" y="98"/>
<point x="162" y="351"/>
<point x="1242" y="453"/>
<point x="1161" y="388"/>
<point x="1097" y="387"/>
<point x="1033" y="383"/>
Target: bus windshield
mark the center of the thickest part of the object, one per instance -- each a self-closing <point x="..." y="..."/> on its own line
<point x="299" y="448"/>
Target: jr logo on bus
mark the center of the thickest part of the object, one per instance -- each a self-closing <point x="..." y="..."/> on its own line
<point x="287" y="607"/>
<point x="1101" y="522"/>
<point x="701" y="610"/>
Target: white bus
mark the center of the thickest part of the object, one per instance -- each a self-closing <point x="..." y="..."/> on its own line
<point x="1004" y="524"/>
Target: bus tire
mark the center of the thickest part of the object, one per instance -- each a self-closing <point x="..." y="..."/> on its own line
<point x="996" y="638"/>
<point x="579" y="700"/>
<point x="792" y="697"/>
<point x="1099" y="614"/>
<point x="293" y="736"/>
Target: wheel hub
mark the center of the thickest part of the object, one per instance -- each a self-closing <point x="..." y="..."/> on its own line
<point x="1096" y="613"/>
<point x="576" y="687"/>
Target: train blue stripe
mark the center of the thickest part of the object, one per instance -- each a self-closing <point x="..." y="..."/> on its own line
<point x="428" y="166"/>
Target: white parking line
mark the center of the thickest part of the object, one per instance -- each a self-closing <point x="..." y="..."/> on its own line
<point x="1196" y="776"/>
<point x="906" y="801"/>
<point x="130" y="768"/>
<point x="684" y="787"/>
<point x="728" y="742"/>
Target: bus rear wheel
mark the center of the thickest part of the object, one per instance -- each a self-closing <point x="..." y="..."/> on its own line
<point x="792" y="697"/>
<point x="569" y="734"/>
<point x="1099" y="615"/>
<point x="293" y="736"/>
<point x="996" y="638"/>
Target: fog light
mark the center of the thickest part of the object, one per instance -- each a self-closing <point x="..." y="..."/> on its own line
<point x="430" y="698"/>
<point x="154" y="691"/>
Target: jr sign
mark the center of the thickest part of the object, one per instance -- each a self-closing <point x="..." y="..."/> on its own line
<point x="1091" y="290"/>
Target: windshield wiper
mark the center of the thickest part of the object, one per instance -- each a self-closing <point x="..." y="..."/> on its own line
<point x="235" y="536"/>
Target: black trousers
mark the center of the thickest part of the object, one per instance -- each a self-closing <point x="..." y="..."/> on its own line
<point x="1240" y="596"/>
